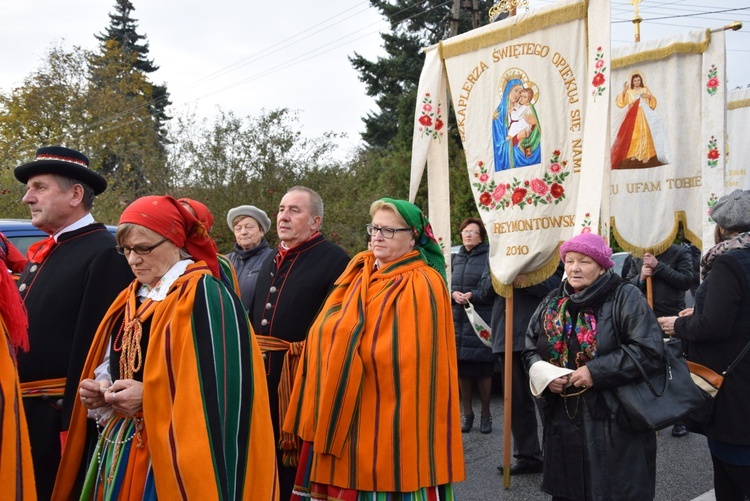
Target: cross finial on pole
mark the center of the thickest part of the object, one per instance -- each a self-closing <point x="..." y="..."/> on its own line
<point x="637" y="20"/>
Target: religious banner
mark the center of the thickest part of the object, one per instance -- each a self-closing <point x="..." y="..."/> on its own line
<point x="667" y="139"/>
<point x="519" y="89"/>
<point x="738" y="147"/>
<point x="430" y="147"/>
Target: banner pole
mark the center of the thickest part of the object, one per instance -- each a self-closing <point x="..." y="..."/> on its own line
<point x="508" y="388"/>
<point x="649" y="292"/>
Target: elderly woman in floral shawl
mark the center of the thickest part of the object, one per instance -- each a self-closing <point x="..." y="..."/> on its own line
<point x="575" y="358"/>
<point x="376" y="399"/>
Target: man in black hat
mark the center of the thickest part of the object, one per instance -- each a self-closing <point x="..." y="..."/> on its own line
<point x="69" y="282"/>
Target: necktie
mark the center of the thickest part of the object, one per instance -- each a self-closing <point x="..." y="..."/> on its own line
<point x="38" y="251"/>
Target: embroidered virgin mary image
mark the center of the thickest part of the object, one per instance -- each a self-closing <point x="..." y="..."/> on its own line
<point x="516" y="132"/>
<point x="639" y="136"/>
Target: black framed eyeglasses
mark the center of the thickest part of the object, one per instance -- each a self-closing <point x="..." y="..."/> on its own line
<point x="141" y="250"/>
<point x="386" y="232"/>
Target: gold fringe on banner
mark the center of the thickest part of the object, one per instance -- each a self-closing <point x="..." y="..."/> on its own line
<point x="529" y="279"/>
<point x="740" y="103"/>
<point x="663" y="52"/>
<point x="679" y="217"/>
<point x="553" y="17"/>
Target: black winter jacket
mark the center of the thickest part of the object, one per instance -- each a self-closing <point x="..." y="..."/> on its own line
<point x="716" y="333"/>
<point x="672" y="277"/>
<point x="246" y="264"/>
<point x="590" y="453"/>
<point x="468" y="267"/>
<point x="525" y="301"/>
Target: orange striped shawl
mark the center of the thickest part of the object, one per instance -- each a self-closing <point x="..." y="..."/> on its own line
<point x="377" y="390"/>
<point x="16" y="470"/>
<point x="184" y="457"/>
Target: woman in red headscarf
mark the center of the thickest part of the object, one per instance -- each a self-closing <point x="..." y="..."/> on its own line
<point x="16" y="470"/>
<point x="174" y="378"/>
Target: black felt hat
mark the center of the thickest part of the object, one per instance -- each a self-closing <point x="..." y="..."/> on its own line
<point x="63" y="162"/>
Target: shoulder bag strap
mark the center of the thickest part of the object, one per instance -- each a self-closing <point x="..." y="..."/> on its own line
<point x="632" y="355"/>
<point x="736" y="360"/>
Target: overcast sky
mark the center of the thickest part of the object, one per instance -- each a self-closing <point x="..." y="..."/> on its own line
<point x="247" y="55"/>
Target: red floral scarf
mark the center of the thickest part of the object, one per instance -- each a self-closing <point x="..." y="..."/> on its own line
<point x="560" y="327"/>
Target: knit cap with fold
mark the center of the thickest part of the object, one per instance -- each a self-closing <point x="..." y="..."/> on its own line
<point x="591" y="245"/>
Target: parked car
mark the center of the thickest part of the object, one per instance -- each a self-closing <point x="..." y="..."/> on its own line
<point x="619" y="259"/>
<point x="22" y="233"/>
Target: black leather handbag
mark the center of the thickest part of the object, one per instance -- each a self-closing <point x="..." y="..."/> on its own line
<point x="660" y="400"/>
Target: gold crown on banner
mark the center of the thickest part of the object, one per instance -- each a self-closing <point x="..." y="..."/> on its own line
<point x="506" y="6"/>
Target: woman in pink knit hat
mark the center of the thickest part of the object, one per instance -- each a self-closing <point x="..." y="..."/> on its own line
<point x="590" y="450"/>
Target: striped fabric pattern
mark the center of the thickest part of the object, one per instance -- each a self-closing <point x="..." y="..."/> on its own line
<point x="377" y="392"/>
<point x="204" y="396"/>
<point x="16" y="470"/>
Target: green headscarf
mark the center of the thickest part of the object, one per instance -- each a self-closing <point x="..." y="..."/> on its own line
<point x="426" y="244"/>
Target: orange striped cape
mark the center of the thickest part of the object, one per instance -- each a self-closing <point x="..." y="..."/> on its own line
<point x="377" y="389"/>
<point x="204" y="396"/>
<point x="16" y="470"/>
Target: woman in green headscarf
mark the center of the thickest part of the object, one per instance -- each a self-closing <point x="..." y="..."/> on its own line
<point x="376" y="395"/>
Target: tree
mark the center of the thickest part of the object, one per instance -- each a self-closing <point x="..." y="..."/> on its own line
<point x="393" y="80"/>
<point x="49" y="108"/>
<point x="252" y="160"/>
<point x="122" y="30"/>
<point x="129" y="151"/>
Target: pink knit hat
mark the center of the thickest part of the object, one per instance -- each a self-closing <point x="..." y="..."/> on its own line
<point x="591" y="245"/>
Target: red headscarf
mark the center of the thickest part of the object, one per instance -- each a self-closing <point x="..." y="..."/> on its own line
<point x="204" y="215"/>
<point x="167" y="217"/>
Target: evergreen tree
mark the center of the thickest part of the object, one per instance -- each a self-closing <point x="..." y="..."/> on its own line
<point x="122" y="30"/>
<point x="392" y="80"/>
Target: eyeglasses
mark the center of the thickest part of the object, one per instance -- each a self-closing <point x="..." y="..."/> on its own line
<point x="468" y="233"/>
<point x="386" y="232"/>
<point x="141" y="250"/>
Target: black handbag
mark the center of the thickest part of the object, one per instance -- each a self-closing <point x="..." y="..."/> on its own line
<point x="649" y="409"/>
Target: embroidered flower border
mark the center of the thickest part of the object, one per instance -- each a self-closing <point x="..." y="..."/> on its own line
<point x="430" y="123"/>
<point x="599" y="69"/>
<point x="549" y="189"/>
<point x="712" y="82"/>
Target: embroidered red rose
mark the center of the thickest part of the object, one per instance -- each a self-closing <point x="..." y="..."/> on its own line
<point x="559" y="347"/>
<point x="713" y="83"/>
<point x="484" y="177"/>
<point x="484" y="334"/>
<point x="556" y="153"/>
<point x="438" y="124"/>
<point x="598" y="80"/>
<point x="538" y="186"/>
<point x="485" y="198"/>
<point x="713" y="154"/>
<point x="425" y="120"/>
<point x="518" y="195"/>
<point x="427" y="107"/>
<point x="555" y="167"/>
<point x="556" y="190"/>
<point x="586" y="230"/>
<point x="599" y="63"/>
<point x="480" y="163"/>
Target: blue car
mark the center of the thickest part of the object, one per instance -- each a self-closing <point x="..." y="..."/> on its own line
<point x="22" y="233"/>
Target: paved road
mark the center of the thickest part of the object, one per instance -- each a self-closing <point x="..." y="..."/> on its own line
<point x="683" y="467"/>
